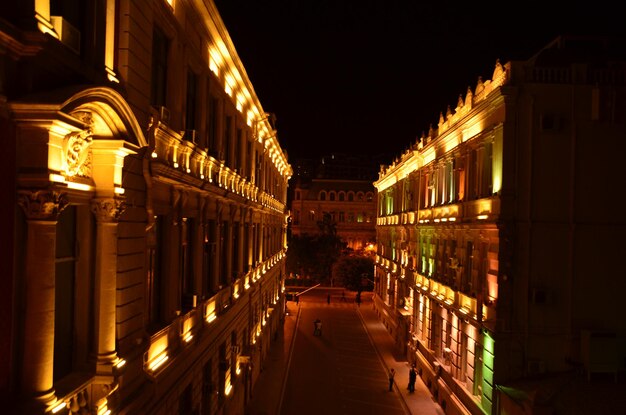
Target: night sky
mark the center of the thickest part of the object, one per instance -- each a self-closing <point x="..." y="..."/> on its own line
<point x="367" y="77"/>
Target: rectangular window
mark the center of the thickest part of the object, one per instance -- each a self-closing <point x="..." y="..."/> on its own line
<point x="190" y="114"/>
<point x="207" y="388"/>
<point x="212" y="127"/>
<point x="160" y="50"/>
<point x="228" y="141"/>
<point x="155" y="279"/>
<point x="224" y="242"/>
<point x="65" y="275"/>
<point x="237" y="149"/>
<point x="186" y="262"/>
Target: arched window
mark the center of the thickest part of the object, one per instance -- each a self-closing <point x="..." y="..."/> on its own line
<point x="332" y="196"/>
<point x="342" y="196"/>
<point x="359" y="196"/>
<point x="350" y="196"/>
<point x="323" y="195"/>
<point x="369" y="196"/>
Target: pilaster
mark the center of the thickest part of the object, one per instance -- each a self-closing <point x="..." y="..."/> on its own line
<point x="42" y="208"/>
<point x="107" y="212"/>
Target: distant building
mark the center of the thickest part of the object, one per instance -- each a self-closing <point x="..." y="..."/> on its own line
<point x="144" y="211"/>
<point x="350" y="205"/>
<point x="500" y="235"/>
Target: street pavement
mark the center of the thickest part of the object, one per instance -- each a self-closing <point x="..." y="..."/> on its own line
<point x="344" y="371"/>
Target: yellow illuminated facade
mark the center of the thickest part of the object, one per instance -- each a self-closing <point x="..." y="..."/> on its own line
<point x="350" y="205"/>
<point x="144" y="227"/>
<point x="490" y="233"/>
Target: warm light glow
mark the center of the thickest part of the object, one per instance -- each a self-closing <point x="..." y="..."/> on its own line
<point x="482" y="217"/>
<point x="154" y="154"/>
<point x="79" y="186"/>
<point x="59" y="407"/>
<point x="211" y="317"/>
<point x="120" y="363"/>
<point x="119" y="190"/>
<point x="158" y="362"/>
<point x="56" y="178"/>
<point x="229" y="389"/>
<point x="187" y="337"/>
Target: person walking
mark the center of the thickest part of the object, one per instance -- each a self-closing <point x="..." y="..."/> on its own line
<point x="317" y="327"/>
<point x="392" y="374"/>
<point x="328" y="298"/>
<point x="412" y="379"/>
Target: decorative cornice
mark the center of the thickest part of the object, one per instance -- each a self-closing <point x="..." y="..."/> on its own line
<point x="107" y="209"/>
<point x="42" y="204"/>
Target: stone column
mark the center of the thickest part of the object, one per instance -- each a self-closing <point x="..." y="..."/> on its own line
<point x="42" y="209"/>
<point x="107" y="212"/>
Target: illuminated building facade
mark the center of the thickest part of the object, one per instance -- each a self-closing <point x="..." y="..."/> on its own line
<point x="144" y="216"/>
<point x="350" y="205"/>
<point x="498" y="239"/>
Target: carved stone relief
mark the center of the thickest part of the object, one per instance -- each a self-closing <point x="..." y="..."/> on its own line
<point x="107" y="209"/>
<point x="76" y="148"/>
<point x="42" y="204"/>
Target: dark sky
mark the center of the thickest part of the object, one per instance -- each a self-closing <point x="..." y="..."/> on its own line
<point x="367" y="77"/>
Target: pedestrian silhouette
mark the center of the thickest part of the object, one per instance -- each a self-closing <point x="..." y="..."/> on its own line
<point x="317" y="327"/>
<point x="412" y="379"/>
<point x="358" y="299"/>
<point x="392" y="374"/>
<point x="297" y="298"/>
<point x="328" y="298"/>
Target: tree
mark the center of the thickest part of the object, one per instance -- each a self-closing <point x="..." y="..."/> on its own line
<point x="329" y="247"/>
<point x="354" y="272"/>
<point x="314" y="255"/>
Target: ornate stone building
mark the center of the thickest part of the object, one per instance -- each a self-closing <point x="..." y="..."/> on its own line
<point x="144" y="216"/>
<point x="498" y="241"/>
<point x="349" y="204"/>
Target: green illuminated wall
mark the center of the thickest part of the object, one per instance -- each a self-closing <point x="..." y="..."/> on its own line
<point x="487" y="371"/>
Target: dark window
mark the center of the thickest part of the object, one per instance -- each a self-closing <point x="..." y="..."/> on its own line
<point x="65" y="274"/>
<point x="73" y="12"/>
<point x="190" y="115"/>
<point x="186" y="262"/>
<point x="212" y="128"/>
<point x="185" y="402"/>
<point x="228" y="133"/>
<point x="224" y="243"/>
<point x="160" y="49"/>
<point x="155" y="279"/>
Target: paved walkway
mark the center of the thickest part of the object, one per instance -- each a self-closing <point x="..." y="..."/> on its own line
<point x="419" y="402"/>
<point x="266" y="396"/>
